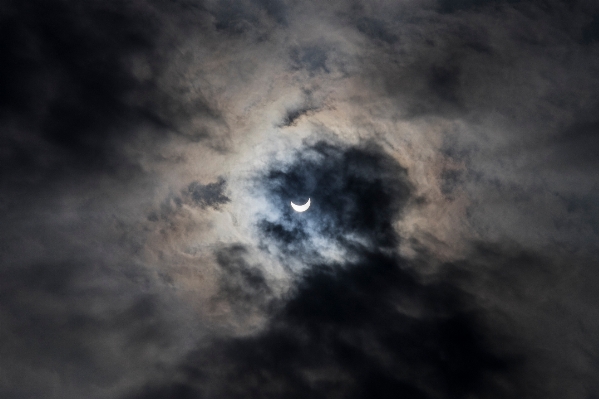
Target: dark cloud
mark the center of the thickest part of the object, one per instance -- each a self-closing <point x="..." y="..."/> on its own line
<point x="369" y="327"/>
<point x="590" y="33"/>
<point x="444" y="81"/>
<point x="79" y="83"/>
<point x="367" y="330"/>
<point x="451" y="178"/>
<point x="129" y="268"/>
<point x="245" y="17"/>
<point x="242" y="286"/>
<point x="311" y="58"/>
<point x="64" y="319"/>
<point x="309" y="106"/>
<point x="292" y="116"/>
<point x="376" y="29"/>
<point x="447" y="6"/>
<point x="65" y="77"/>
<point x="374" y="328"/>
<point x="174" y="391"/>
<point x="356" y="192"/>
<point x="208" y="195"/>
<point x="276" y="9"/>
<point x="197" y="195"/>
<point x="578" y="144"/>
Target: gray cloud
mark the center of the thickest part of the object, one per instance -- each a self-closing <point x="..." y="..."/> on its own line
<point x="210" y="194"/>
<point x="149" y="153"/>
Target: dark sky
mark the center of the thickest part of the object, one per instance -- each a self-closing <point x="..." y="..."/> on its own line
<point x="149" y="152"/>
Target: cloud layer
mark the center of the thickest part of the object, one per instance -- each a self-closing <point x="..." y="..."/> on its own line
<point x="149" y="152"/>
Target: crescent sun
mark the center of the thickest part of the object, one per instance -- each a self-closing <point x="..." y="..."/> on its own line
<point x="301" y="208"/>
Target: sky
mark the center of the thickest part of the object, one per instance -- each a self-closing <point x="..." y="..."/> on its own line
<point x="150" y="149"/>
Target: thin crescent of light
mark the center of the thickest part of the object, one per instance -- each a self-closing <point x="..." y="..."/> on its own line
<point x="301" y="208"/>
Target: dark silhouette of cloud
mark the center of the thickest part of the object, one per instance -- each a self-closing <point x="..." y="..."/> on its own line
<point x="311" y="58"/>
<point x="242" y="286"/>
<point x="376" y="30"/>
<point x="590" y="33"/>
<point x="64" y="318"/>
<point x="293" y="115"/>
<point x="368" y="327"/>
<point x="211" y="194"/>
<point x="355" y="192"/>
<point x="64" y="72"/>
<point x="78" y="82"/>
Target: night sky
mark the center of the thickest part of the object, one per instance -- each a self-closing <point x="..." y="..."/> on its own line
<point x="150" y="149"/>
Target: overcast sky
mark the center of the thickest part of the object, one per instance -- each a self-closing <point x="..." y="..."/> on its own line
<point x="149" y="152"/>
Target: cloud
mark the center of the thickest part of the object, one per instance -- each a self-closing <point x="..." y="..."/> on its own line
<point x="356" y="194"/>
<point x="376" y="30"/>
<point x="243" y="287"/>
<point x="149" y="152"/>
<point x="210" y="194"/>
<point x="81" y="85"/>
<point x="85" y="323"/>
<point x="368" y="326"/>
<point x="66" y="77"/>
<point x="311" y="58"/>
